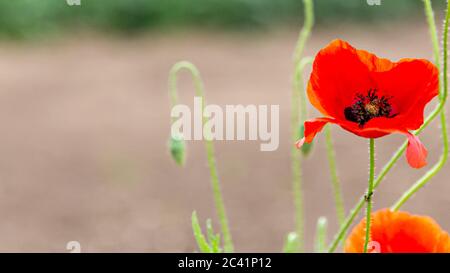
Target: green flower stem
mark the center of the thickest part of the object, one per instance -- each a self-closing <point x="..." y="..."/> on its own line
<point x="348" y="221"/>
<point x="433" y="31"/>
<point x="432" y="172"/>
<point x="443" y="96"/>
<point x="338" y="199"/>
<point x="298" y="116"/>
<point x="369" y="194"/>
<point x="215" y="183"/>
<point x="436" y="111"/>
<point x="298" y="196"/>
<point x="306" y="30"/>
<point x="299" y="93"/>
<point x="304" y="34"/>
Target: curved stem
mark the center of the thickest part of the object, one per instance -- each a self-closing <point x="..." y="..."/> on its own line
<point x="444" y="91"/>
<point x="433" y="33"/>
<point x="299" y="93"/>
<point x="436" y="111"/>
<point x="308" y="6"/>
<point x="215" y="183"/>
<point x="369" y="193"/>
<point x="348" y="221"/>
<point x="436" y="168"/>
<point x="384" y="171"/>
<point x="304" y="34"/>
<point x="298" y="115"/>
<point x="338" y="199"/>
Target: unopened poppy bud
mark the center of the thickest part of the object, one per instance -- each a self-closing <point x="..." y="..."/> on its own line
<point x="305" y="147"/>
<point x="178" y="149"/>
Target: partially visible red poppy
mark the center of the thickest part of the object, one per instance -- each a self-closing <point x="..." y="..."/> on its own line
<point x="400" y="232"/>
<point x="370" y="96"/>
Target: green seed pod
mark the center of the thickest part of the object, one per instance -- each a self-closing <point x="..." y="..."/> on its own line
<point x="307" y="147"/>
<point x="178" y="149"/>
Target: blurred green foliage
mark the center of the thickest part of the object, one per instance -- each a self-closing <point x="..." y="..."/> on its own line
<point x="30" y="18"/>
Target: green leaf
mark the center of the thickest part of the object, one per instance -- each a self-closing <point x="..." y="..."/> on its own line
<point x="215" y="244"/>
<point x="213" y="239"/>
<point x="291" y="243"/>
<point x="209" y="229"/>
<point x="198" y="234"/>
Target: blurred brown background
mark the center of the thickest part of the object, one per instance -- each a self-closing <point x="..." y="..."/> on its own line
<point x="85" y="124"/>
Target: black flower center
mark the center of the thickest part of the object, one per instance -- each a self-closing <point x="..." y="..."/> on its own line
<point x="368" y="107"/>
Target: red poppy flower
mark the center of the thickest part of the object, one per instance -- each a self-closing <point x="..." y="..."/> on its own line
<point x="370" y="96"/>
<point x="400" y="232"/>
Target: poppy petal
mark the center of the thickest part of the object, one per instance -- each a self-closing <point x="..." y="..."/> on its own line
<point x="416" y="153"/>
<point x="400" y="232"/>
<point x="341" y="73"/>
<point x="338" y="75"/>
<point x="312" y="127"/>
<point x="410" y="85"/>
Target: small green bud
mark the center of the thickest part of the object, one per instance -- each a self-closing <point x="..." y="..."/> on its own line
<point x="291" y="243"/>
<point x="320" y="241"/>
<point x="178" y="149"/>
<point x="307" y="147"/>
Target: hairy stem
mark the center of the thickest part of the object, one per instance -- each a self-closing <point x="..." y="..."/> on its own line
<point x="298" y="115"/>
<point x="436" y="111"/>
<point x="432" y="172"/>
<point x="308" y="24"/>
<point x="335" y="182"/>
<point x="369" y="194"/>
<point x="215" y="183"/>
<point x="443" y="95"/>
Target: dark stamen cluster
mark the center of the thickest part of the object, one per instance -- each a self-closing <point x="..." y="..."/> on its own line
<point x="368" y="107"/>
